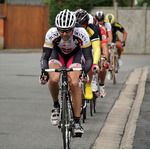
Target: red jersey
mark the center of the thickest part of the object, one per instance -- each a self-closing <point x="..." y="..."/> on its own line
<point x="103" y="33"/>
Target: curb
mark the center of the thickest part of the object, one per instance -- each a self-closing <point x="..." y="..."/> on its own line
<point x="120" y="125"/>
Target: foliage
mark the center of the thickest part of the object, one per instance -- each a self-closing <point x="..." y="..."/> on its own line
<point x="55" y="6"/>
<point x="102" y="2"/>
<point x="123" y="3"/>
<point x="141" y="2"/>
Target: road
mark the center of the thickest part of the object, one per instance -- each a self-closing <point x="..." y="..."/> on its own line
<point x="25" y="105"/>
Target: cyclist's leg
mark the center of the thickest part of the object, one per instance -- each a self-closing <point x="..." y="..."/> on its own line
<point x="75" y="62"/>
<point x="53" y="81"/>
<point x="56" y="61"/>
<point x="88" y="89"/>
<point x="104" y="71"/>
<point x="118" y="45"/>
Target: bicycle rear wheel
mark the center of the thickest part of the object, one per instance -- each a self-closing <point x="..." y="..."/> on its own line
<point x="66" y="133"/>
<point x="114" y="77"/>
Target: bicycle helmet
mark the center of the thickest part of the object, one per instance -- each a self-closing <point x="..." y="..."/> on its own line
<point x="82" y="17"/>
<point x="78" y="10"/>
<point x="110" y="18"/>
<point x="100" y="15"/>
<point x="65" y="20"/>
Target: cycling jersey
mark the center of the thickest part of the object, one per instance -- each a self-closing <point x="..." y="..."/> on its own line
<point x="95" y="40"/>
<point x="116" y="27"/>
<point x="103" y="32"/>
<point x="79" y="39"/>
<point x="100" y="29"/>
<point x="107" y="26"/>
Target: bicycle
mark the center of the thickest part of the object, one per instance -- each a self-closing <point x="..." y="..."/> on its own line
<point x="66" y="123"/>
<point x="95" y="85"/>
<point x="114" y="64"/>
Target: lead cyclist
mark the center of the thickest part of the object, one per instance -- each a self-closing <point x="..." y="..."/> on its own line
<point x="64" y="44"/>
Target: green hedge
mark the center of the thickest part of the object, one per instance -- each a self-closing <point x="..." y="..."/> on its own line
<point x="55" y="6"/>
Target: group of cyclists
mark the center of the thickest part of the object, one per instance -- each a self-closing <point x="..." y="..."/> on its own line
<point x="78" y="37"/>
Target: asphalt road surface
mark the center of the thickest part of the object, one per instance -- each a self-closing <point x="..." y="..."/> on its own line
<point x="25" y="105"/>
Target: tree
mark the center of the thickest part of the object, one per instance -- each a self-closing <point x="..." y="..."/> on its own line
<point x="141" y="2"/>
<point x="55" y="6"/>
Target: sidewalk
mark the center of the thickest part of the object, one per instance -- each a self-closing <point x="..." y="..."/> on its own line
<point x="142" y="135"/>
<point x="119" y="129"/>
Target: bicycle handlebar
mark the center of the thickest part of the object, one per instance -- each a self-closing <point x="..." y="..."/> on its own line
<point x="63" y="69"/>
<point x="111" y="44"/>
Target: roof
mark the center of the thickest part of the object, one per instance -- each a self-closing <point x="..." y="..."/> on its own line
<point x="25" y="2"/>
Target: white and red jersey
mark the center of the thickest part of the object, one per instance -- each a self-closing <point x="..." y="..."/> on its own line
<point x="103" y="33"/>
<point x="79" y="38"/>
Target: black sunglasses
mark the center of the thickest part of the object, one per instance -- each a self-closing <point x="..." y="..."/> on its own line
<point x="66" y="31"/>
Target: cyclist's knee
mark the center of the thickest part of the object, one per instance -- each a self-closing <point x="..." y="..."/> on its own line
<point x="53" y="80"/>
<point x="74" y="83"/>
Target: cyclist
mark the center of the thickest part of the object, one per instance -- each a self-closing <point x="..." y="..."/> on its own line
<point x="64" y="44"/>
<point x="99" y="15"/>
<point x="117" y="27"/>
<point x="82" y="17"/>
<point x="105" y="54"/>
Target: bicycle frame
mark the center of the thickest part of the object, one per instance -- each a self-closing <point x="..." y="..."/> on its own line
<point x="66" y="109"/>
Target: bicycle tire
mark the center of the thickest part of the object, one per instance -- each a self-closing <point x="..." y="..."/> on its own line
<point x="114" y="77"/>
<point x="91" y="107"/>
<point x="65" y="123"/>
<point x="84" y="110"/>
<point x="94" y="103"/>
<point x="116" y="64"/>
<point x="84" y="104"/>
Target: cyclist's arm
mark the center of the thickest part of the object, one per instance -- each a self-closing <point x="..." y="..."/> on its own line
<point x="121" y="29"/>
<point x="110" y="37"/>
<point x="45" y="57"/>
<point x="109" y="31"/>
<point x="87" y="52"/>
<point x="124" y="35"/>
<point x="95" y="40"/>
<point x="105" y="50"/>
<point x="97" y="51"/>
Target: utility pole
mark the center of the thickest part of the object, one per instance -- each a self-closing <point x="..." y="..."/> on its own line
<point x="114" y="1"/>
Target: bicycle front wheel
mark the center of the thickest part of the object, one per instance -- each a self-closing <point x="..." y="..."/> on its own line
<point x="84" y="109"/>
<point x="66" y="133"/>
<point x="91" y="106"/>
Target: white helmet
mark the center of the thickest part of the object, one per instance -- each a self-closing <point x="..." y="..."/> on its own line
<point x="100" y="15"/>
<point x="65" y="20"/>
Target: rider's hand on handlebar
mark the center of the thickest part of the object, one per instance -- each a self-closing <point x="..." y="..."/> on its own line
<point x="84" y="77"/>
<point x="95" y="67"/>
<point x="109" y="45"/>
<point x="44" y="77"/>
<point x="123" y="43"/>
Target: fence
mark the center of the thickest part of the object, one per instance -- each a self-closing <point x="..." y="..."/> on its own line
<point x="24" y="26"/>
<point x="136" y="21"/>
